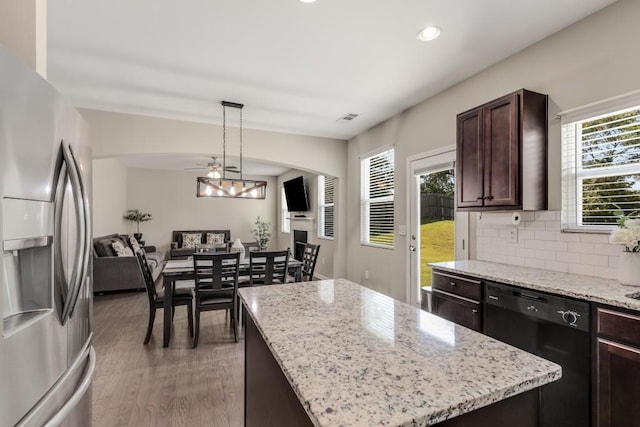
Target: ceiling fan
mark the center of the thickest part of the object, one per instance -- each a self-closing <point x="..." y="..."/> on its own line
<point x="215" y="168"/>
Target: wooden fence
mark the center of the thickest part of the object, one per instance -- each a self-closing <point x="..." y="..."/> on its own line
<point x="435" y="207"/>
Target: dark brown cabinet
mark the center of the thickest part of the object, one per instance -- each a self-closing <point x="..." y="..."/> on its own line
<point x="617" y="376"/>
<point x="501" y="154"/>
<point x="457" y="298"/>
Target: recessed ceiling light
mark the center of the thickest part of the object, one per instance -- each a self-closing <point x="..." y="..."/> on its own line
<point x="306" y="1"/>
<point x="428" y="33"/>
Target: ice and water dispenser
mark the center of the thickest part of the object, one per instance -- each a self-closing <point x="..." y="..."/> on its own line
<point x="27" y="262"/>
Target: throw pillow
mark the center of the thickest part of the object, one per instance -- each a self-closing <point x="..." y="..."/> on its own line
<point x="120" y="250"/>
<point x="190" y="240"/>
<point x="215" y="239"/>
<point x="135" y="245"/>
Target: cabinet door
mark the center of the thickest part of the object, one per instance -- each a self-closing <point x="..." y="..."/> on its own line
<point x="502" y="163"/>
<point x="618" y="376"/>
<point x="469" y="159"/>
<point x="457" y="310"/>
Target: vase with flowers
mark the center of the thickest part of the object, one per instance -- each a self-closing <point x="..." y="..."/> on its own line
<point x="628" y="235"/>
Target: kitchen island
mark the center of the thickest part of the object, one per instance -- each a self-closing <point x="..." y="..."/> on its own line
<point x="333" y="353"/>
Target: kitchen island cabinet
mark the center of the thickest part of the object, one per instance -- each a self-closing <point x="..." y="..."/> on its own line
<point x="334" y="353"/>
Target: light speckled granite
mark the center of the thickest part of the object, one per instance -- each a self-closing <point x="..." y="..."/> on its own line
<point x="356" y="357"/>
<point x="594" y="289"/>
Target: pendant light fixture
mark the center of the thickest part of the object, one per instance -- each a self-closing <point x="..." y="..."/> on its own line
<point x="238" y="188"/>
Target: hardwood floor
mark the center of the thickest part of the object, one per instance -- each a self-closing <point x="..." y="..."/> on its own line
<point x="138" y="385"/>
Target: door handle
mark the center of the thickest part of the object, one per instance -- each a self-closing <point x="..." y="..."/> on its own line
<point x="79" y="267"/>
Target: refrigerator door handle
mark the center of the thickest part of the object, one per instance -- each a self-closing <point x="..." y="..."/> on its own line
<point x="61" y="282"/>
<point x="78" y="395"/>
<point x="78" y="265"/>
<point x="85" y="234"/>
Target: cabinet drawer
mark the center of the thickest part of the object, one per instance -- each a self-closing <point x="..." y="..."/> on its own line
<point x="457" y="310"/>
<point x="620" y="326"/>
<point x="465" y="287"/>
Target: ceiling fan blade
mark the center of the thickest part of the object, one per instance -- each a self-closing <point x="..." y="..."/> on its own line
<point x="196" y="169"/>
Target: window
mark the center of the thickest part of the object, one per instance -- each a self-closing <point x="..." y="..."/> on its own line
<point x="377" y="189"/>
<point x="326" y="206"/>
<point x="286" y="215"/>
<point x="600" y="164"/>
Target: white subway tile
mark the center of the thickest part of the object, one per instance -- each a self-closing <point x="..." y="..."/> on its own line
<point x="595" y="260"/>
<point x="541" y="254"/>
<point x="535" y="244"/>
<point x="515" y="260"/>
<point x="526" y="234"/>
<point x="490" y="232"/>
<point x="607" y="249"/>
<point x="569" y="237"/>
<point x="527" y="216"/>
<point x="552" y="225"/>
<point x="613" y="261"/>
<point x="556" y="266"/>
<point x="594" y="238"/>
<point x="556" y="246"/>
<point x="534" y="263"/>
<point x="570" y="257"/>
<point x="546" y="235"/>
<point x="535" y="225"/>
<point x="526" y="253"/>
<point x="545" y="215"/>
<point x="558" y="216"/>
<point x="583" y="248"/>
<point x="586" y="270"/>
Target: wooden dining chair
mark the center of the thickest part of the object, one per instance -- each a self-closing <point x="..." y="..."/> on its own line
<point x="267" y="268"/>
<point x="181" y="296"/>
<point x="309" y="259"/>
<point x="216" y="286"/>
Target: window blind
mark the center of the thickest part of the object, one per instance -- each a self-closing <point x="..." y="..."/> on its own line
<point x="600" y="165"/>
<point x="326" y="206"/>
<point x="377" y="199"/>
<point x="285" y="214"/>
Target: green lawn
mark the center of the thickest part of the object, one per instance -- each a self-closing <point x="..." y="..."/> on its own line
<point x="436" y="245"/>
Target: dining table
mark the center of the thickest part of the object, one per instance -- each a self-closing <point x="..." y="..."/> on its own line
<point x="177" y="270"/>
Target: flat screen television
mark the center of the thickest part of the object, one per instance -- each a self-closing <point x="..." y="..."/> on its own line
<point x="295" y="192"/>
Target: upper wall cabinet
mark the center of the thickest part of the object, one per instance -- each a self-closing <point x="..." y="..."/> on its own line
<point x="501" y="154"/>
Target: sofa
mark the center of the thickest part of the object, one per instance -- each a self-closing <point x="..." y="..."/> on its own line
<point x="178" y="249"/>
<point x="119" y="273"/>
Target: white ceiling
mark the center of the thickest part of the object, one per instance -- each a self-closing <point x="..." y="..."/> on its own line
<point x="297" y="67"/>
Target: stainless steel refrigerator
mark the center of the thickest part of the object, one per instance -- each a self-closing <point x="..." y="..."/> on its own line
<point x="47" y="362"/>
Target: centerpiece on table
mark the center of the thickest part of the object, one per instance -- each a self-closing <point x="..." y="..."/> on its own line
<point x="137" y="216"/>
<point x="628" y="235"/>
<point x="261" y="233"/>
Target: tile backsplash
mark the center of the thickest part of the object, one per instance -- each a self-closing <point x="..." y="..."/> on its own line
<point x="541" y="244"/>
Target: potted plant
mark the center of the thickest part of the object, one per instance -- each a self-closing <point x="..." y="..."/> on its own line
<point x="261" y="233"/>
<point x="137" y="216"/>
<point x="628" y="235"/>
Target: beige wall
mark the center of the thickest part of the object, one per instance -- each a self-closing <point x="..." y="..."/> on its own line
<point x="23" y="30"/>
<point x="170" y="197"/>
<point x="589" y="61"/>
<point x="115" y="134"/>
<point x="327" y="254"/>
<point x="109" y="197"/>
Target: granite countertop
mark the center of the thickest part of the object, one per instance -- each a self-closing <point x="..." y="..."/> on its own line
<point x="594" y="289"/>
<point x="354" y="356"/>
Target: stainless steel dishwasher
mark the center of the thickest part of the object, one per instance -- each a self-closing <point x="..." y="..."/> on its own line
<point x="554" y="328"/>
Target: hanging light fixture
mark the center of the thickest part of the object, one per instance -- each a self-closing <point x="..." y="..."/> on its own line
<point x="214" y="185"/>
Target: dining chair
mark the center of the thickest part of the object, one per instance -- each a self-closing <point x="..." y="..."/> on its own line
<point x="181" y="296"/>
<point x="309" y="259"/>
<point x="267" y="268"/>
<point x="216" y="285"/>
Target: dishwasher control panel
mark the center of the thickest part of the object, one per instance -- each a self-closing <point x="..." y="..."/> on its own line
<point x="540" y="305"/>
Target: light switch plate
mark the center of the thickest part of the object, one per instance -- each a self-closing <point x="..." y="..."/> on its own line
<point x="402" y="230"/>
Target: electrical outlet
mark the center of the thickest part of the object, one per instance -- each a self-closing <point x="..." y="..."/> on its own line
<point x="323" y="260"/>
<point x="366" y="274"/>
<point x="513" y="235"/>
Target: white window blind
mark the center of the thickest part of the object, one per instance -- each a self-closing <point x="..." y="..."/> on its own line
<point x="600" y="164"/>
<point x="326" y="206"/>
<point x="377" y="191"/>
<point x="285" y="214"/>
